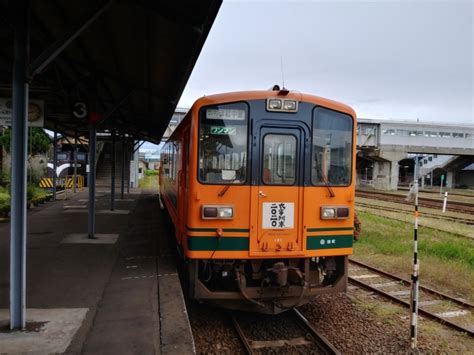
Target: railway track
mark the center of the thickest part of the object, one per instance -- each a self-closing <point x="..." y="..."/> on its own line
<point x="425" y="214"/>
<point x="259" y="336"/>
<point x="455" y="206"/>
<point x="453" y="312"/>
<point x="437" y="192"/>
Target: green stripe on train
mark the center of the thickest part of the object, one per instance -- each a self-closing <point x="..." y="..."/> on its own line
<point x="328" y="241"/>
<point x="330" y="229"/>
<point x="208" y="243"/>
<point x="235" y="230"/>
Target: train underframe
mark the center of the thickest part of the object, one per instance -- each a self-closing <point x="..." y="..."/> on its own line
<point x="266" y="285"/>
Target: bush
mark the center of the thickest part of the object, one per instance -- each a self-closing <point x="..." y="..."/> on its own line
<point x="39" y="140"/>
<point x="5" y="177"/>
<point x="151" y="172"/>
<point x="4" y="202"/>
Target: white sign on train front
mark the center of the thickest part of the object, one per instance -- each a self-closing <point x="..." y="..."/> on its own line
<point x="278" y="215"/>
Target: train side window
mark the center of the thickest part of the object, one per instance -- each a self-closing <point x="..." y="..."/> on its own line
<point x="279" y="159"/>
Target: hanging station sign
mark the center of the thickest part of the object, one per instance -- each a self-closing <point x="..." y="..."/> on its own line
<point x="35" y="112"/>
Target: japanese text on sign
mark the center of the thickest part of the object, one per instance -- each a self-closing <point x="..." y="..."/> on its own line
<point x="278" y="215"/>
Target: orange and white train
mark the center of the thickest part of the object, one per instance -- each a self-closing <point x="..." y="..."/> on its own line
<point x="260" y="187"/>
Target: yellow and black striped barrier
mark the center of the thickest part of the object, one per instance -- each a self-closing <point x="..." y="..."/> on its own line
<point x="46" y="183"/>
<point x="80" y="181"/>
<point x="68" y="182"/>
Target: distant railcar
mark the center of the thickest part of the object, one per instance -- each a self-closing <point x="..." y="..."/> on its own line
<point x="260" y="187"/>
<point x="65" y="164"/>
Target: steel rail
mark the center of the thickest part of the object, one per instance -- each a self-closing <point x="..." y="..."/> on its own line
<point x="243" y="339"/>
<point x="320" y="341"/>
<point x="463" y="303"/>
<point x="324" y="345"/>
<point x="421" y="310"/>
<point x="425" y="214"/>
<point x="459" y="206"/>
<point x="436" y="192"/>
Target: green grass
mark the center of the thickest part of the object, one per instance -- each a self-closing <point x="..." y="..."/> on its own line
<point x="446" y="260"/>
<point x="149" y="182"/>
<point x="396" y="238"/>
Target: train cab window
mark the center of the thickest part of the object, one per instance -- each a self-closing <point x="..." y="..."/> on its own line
<point x="223" y="144"/>
<point x="279" y="159"/>
<point x="332" y="148"/>
<point x="81" y="156"/>
<point x="62" y="156"/>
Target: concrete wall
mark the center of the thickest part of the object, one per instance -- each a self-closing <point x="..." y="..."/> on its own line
<point x="465" y="178"/>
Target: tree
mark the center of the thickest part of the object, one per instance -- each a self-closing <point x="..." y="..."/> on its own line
<point x="40" y="141"/>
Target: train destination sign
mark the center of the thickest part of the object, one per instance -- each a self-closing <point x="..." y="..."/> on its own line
<point x="35" y="112"/>
<point x="278" y="215"/>
<point x="225" y="114"/>
<point x="220" y="130"/>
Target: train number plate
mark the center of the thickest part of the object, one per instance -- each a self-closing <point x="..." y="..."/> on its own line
<point x="278" y="215"/>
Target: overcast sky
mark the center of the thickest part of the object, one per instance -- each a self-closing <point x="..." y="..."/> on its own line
<point x="387" y="59"/>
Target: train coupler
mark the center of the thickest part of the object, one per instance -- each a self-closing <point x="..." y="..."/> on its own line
<point x="281" y="273"/>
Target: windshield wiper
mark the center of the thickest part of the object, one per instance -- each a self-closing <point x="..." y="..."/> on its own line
<point x="226" y="187"/>
<point x="326" y="183"/>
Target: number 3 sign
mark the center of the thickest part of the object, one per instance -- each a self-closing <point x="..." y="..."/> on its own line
<point x="79" y="110"/>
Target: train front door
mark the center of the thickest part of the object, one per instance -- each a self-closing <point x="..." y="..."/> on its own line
<point x="277" y="191"/>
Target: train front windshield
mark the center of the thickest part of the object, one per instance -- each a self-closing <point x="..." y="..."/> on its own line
<point x="223" y="142"/>
<point x="223" y="134"/>
<point x="332" y="148"/>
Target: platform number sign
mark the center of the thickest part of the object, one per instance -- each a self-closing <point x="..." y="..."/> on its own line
<point x="278" y="215"/>
<point x="79" y="110"/>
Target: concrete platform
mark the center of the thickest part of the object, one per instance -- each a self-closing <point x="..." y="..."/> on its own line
<point x="83" y="238"/>
<point x="128" y="291"/>
<point x="74" y="206"/>
<point x="50" y="330"/>
<point x="97" y="212"/>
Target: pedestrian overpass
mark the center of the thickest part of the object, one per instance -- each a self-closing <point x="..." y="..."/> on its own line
<point x="384" y="143"/>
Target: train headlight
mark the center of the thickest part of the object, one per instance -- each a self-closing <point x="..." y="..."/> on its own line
<point x="217" y="212"/>
<point x="289" y="105"/>
<point x="328" y="212"/>
<point x="274" y="104"/>
<point x="280" y="105"/>
<point x="226" y="212"/>
<point x="334" y="212"/>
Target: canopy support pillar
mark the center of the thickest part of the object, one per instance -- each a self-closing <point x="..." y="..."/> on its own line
<point x="112" y="174"/>
<point x="92" y="153"/>
<point x="19" y="152"/>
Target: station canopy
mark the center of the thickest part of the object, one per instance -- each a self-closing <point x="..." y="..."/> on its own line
<point x="129" y="62"/>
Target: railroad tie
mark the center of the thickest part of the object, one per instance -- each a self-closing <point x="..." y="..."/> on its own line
<point x="386" y="284"/>
<point x="400" y="293"/>
<point x="429" y="302"/>
<point x="261" y="344"/>
<point x="452" y="314"/>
